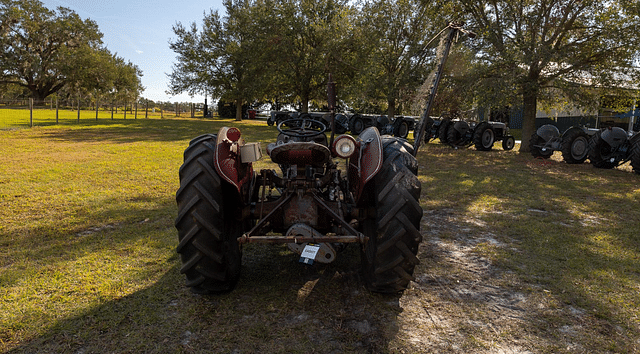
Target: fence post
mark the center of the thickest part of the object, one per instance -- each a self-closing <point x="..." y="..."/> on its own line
<point x="146" y="110"/>
<point x="111" y="110"/>
<point x="136" y="116"/>
<point x="96" y="108"/>
<point x="78" y="108"/>
<point x="125" y="110"/>
<point x="56" y="110"/>
<point x="31" y="113"/>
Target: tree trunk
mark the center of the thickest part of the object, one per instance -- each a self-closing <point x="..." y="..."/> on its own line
<point x="391" y="110"/>
<point x="530" y="100"/>
<point x="38" y="98"/>
<point x="304" y="104"/>
<point x="238" y="109"/>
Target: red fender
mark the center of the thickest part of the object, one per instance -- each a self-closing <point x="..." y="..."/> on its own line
<point x="366" y="161"/>
<point x="227" y="159"/>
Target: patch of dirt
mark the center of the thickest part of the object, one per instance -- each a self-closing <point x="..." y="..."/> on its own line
<point x="461" y="302"/>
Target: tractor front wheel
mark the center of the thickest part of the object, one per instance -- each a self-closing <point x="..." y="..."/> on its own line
<point x="403" y="130"/>
<point x="389" y="257"/>
<point x="508" y="143"/>
<point x="207" y="227"/>
<point x="357" y="126"/>
<point x="534" y="146"/>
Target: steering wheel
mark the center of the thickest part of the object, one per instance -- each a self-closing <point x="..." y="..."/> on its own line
<point x="302" y="127"/>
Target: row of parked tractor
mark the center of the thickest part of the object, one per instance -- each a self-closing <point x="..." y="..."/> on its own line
<point x="398" y="126"/>
<point x="460" y="133"/>
<point x="454" y="132"/>
<point x="606" y="147"/>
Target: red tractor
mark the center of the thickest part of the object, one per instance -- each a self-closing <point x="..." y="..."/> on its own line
<point x="310" y="204"/>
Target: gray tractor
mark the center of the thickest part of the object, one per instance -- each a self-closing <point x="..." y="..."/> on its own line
<point x="482" y="135"/>
<point x="573" y="143"/>
<point x="614" y="146"/>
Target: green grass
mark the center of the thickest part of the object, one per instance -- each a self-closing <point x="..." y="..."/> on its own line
<point x="88" y="262"/>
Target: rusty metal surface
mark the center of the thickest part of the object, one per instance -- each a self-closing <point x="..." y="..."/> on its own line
<point x="300" y="153"/>
<point x="301" y="209"/>
<point x="302" y="239"/>
<point x="335" y="216"/>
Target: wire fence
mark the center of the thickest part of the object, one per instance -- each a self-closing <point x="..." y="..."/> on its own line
<point x="23" y="113"/>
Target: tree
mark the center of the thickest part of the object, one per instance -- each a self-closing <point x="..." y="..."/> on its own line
<point x="218" y="59"/>
<point x="43" y="50"/>
<point x="541" y="47"/>
<point x="126" y="84"/>
<point x="398" y="33"/>
<point x="306" y="40"/>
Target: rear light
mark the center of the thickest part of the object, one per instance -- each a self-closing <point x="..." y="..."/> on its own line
<point x="344" y="146"/>
<point x="233" y="134"/>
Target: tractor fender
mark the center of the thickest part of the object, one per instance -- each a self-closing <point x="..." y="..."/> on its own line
<point x="571" y="129"/>
<point x="382" y="121"/>
<point x="366" y="162"/>
<point x="462" y="127"/>
<point x="227" y="159"/>
<point x="614" y="136"/>
<point x="548" y="132"/>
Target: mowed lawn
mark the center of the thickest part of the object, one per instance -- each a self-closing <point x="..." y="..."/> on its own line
<point x="88" y="262"/>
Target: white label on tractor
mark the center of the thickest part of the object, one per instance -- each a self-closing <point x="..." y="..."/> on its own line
<point x="309" y="253"/>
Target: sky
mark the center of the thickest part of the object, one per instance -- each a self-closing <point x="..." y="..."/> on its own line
<point x="139" y="31"/>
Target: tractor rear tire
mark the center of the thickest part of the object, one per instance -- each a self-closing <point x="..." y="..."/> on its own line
<point x="427" y="129"/>
<point x="443" y="131"/>
<point x="575" y="146"/>
<point x="600" y="152"/>
<point x="536" y="151"/>
<point x="207" y="228"/>
<point x="455" y="138"/>
<point x="484" y="137"/>
<point x="635" y="156"/>
<point x="389" y="257"/>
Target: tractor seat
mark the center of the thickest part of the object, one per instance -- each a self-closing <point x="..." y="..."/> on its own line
<point x="299" y="153"/>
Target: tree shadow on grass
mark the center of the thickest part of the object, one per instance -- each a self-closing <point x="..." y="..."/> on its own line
<point x="279" y="306"/>
<point x="132" y="131"/>
<point x="129" y="131"/>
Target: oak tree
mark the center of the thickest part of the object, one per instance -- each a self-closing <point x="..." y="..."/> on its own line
<point x="539" y="49"/>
